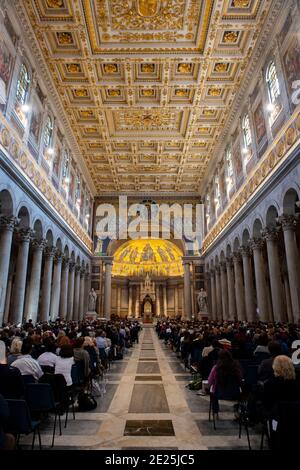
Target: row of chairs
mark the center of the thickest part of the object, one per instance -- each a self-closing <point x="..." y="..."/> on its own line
<point x="49" y="395"/>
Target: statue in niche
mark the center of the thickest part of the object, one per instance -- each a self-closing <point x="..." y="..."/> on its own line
<point x="92" y="301"/>
<point x="202" y="301"/>
<point x="148" y="254"/>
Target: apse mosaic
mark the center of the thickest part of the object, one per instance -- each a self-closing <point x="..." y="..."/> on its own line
<point x="153" y="257"/>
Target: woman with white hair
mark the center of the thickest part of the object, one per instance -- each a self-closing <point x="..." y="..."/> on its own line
<point x="281" y="387"/>
<point x="15" y="351"/>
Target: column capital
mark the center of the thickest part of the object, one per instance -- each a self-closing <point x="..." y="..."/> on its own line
<point x="65" y="262"/>
<point x="107" y="260"/>
<point x="270" y="234"/>
<point x="50" y="251"/>
<point x="8" y="222"/>
<point x="77" y="269"/>
<point x="25" y="235"/>
<point x="207" y="275"/>
<point x="39" y="244"/>
<point x="236" y="256"/>
<point x="245" y="251"/>
<point x="82" y="272"/>
<point x="58" y="257"/>
<point x="256" y="243"/>
<point x="71" y="266"/>
<point x="288" y="222"/>
<point x="229" y="262"/>
<point x="217" y="269"/>
<point x="87" y="275"/>
<point x="223" y="266"/>
<point x="212" y="272"/>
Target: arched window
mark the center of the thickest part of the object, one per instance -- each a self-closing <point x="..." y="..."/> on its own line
<point x="22" y="85"/>
<point x="65" y="171"/>
<point x="48" y="132"/>
<point x="272" y="83"/>
<point x="229" y="169"/>
<point x="247" y="131"/>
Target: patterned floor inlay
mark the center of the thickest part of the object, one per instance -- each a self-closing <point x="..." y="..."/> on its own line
<point x="149" y="428"/>
<point x="148" y="368"/>
<point x="149" y="398"/>
<point x="147" y="378"/>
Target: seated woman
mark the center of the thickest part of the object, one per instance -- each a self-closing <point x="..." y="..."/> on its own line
<point x="82" y="356"/>
<point x="64" y="363"/>
<point x="224" y="380"/>
<point x="91" y="347"/>
<point x="281" y="387"/>
<point x="47" y="359"/>
<point x="15" y="351"/>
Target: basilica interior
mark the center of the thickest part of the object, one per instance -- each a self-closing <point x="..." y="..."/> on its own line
<point x="164" y="102"/>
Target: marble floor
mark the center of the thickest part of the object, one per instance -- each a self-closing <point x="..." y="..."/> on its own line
<point x="146" y="405"/>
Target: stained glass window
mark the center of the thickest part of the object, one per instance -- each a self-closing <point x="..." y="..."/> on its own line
<point x="273" y="83"/>
<point x="22" y="85"/>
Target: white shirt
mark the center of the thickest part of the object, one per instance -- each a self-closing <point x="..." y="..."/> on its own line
<point x="28" y="366"/>
<point x="47" y="359"/>
<point x="63" y="366"/>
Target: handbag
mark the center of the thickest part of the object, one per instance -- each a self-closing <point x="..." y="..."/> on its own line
<point x="86" y="402"/>
<point x="95" y="388"/>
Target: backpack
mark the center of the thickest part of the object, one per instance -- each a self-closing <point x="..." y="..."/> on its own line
<point x="86" y="402"/>
<point x="195" y="384"/>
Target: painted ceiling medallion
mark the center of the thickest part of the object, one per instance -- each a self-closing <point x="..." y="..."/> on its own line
<point x="147" y="68"/>
<point x="147" y="92"/>
<point x="74" y="68"/>
<point x="110" y="68"/>
<point x="81" y="93"/>
<point x="55" y="3"/>
<point x="221" y="67"/>
<point x="148" y="8"/>
<point x="182" y="92"/>
<point x="230" y="36"/>
<point x="184" y="67"/>
<point x="214" y="91"/>
<point x="240" y="3"/>
<point x="64" y="38"/>
<point x="114" y="93"/>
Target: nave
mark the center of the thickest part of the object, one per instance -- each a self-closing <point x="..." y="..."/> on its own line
<point x="146" y="405"/>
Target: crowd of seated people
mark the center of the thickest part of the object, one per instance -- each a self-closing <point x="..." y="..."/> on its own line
<point x="52" y="350"/>
<point x="250" y="360"/>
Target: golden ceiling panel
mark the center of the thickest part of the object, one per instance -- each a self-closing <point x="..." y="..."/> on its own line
<point x="146" y="85"/>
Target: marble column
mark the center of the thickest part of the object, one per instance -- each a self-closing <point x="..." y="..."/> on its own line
<point x="231" y="290"/>
<point x="46" y="286"/>
<point x="218" y="293"/>
<point x="31" y="311"/>
<point x="107" y="286"/>
<point x="76" y="292"/>
<point x="288" y="302"/>
<point x="82" y="294"/>
<point x="7" y="225"/>
<point x="288" y="223"/>
<point x="137" y="302"/>
<point x="8" y="298"/>
<point x="130" y="302"/>
<point x="213" y="295"/>
<point x="224" y="290"/>
<point x="158" y="300"/>
<point x="239" y="287"/>
<point x="56" y="286"/>
<point x="187" y="314"/>
<point x="24" y="237"/>
<point x="165" y="301"/>
<point x="271" y="237"/>
<point x="70" y="306"/>
<point x="249" y="287"/>
<point x="87" y="290"/>
<point x="63" y="308"/>
<point x="119" y="301"/>
<point x="176" y="301"/>
<point x="260" y="279"/>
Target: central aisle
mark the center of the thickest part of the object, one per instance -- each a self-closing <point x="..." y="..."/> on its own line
<point x="149" y="409"/>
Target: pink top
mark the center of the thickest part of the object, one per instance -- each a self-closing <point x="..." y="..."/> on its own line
<point x="212" y="379"/>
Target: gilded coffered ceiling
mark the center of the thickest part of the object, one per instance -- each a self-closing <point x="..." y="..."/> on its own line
<point x="147" y="84"/>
